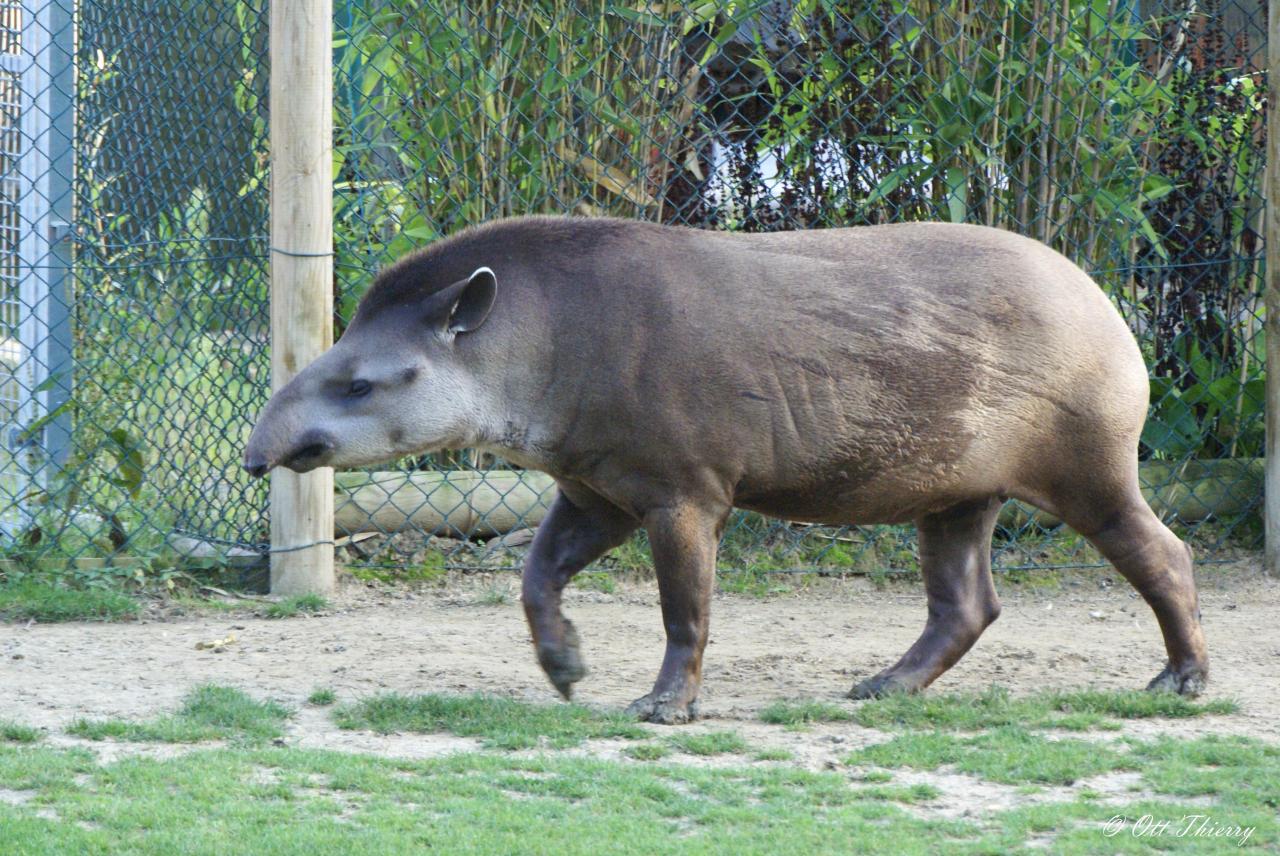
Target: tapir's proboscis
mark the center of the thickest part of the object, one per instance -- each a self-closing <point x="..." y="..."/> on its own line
<point x="919" y="372"/>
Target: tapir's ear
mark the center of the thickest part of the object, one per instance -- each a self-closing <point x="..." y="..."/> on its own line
<point x="463" y="306"/>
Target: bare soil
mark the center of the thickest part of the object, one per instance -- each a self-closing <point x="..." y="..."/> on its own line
<point x="1062" y="630"/>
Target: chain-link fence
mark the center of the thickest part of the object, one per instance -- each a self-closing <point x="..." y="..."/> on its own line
<point x="1126" y="133"/>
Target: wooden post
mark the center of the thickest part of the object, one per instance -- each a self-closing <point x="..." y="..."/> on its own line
<point x="1272" y="291"/>
<point x="301" y="271"/>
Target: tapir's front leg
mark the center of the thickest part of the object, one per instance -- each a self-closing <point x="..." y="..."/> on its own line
<point x="574" y="533"/>
<point x="684" y="539"/>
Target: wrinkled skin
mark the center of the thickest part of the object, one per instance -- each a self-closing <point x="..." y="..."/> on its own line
<point x="912" y="373"/>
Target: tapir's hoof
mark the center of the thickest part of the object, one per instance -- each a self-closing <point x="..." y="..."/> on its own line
<point x="563" y="665"/>
<point x="879" y="686"/>
<point x="1188" y="681"/>
<point x="663" y="709"/>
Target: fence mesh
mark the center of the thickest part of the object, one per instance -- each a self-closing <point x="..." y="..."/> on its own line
<point x="1128" y="134"/>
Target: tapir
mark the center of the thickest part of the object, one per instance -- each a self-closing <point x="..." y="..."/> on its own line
<point x="916" y="372"/>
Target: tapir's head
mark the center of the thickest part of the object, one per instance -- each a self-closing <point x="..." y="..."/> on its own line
<point x="401" y="380"/>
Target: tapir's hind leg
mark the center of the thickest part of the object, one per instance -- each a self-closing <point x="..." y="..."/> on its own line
<point x="955" y="561"/>
<point x="575" y="532"/>
<point x="1158" y="564"/>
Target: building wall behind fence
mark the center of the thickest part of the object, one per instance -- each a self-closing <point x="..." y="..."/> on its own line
<point x="1128" y="135"/>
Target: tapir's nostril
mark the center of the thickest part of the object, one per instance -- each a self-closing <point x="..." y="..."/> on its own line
<point x="256" y="469"/>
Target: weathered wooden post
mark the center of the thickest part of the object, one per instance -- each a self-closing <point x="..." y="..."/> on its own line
<point x="301" y="271"/>
<point x="1272" y="291"/>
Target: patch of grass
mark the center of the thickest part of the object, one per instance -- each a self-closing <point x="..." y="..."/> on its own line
<point x="802" y="712"/>
<point x="752" y="582"/>
<point x="300" y="801"/>
<point x="31" y="600"/>
<point x="632" y="556"/>
<point x="773" y="753"/>
<point x="877" y="777"/>
<point x="709" y="743"/>
<point x="288" y="800"/>
<point x="495" y="594"/>
<point x="205" y="604"/>
<point x="392" y="569"/>
<point x="1008" y="754"/>
<point x="292" y="606"/>
<point x="13" y="732"/>
<point x="322" y="697"/>
<point x="1077" y="710"/>
<point x="596" y="581"/>
<point x="1243" y="770"/>
<point x="919" y="792"/>
<point x="647" y="751"/>
<point x="498" y="722"/>
<point x="208" y="712"/>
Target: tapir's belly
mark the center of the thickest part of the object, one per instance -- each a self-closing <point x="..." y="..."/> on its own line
<point x="851" y="496"/>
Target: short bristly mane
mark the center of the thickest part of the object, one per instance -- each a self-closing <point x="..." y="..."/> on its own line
<point x="447" y="260"/>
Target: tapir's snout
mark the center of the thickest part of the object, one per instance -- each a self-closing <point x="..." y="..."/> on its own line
<point x="312" y="449"/>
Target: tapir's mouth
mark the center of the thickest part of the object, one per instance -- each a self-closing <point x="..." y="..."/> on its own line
<point x="314" y="451"/>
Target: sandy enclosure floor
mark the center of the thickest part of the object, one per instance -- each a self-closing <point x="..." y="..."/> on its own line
<point x="1086" y="629"/>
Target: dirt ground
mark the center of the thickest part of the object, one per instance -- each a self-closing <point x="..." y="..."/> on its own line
<point x="1064" y="630"/>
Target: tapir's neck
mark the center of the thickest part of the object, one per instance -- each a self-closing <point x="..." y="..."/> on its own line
<point x="508" y="433"/>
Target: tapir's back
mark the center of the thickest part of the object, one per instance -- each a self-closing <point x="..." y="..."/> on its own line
<point x="850" y="373"/>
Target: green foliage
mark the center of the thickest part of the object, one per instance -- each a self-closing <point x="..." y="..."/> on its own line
<point x="773" y="753"/>
<point x="596" y="581"/>
<point x="709" y="743"/>
<point x="1007" y="754"/>
<point x="208" y="712"/>
<point x="1074" y="709"/>
<point x="30" y="599"/>
<point x="803" y="712"/>
<point x="13" y="732"/>
<point x="322" y="697"/>
<point x="647" y="751"/>
<point x="498" y="722"/>
<point x="291" y="607"/>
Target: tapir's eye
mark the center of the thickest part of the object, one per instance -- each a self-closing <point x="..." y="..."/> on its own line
<point x="359" y="388"/>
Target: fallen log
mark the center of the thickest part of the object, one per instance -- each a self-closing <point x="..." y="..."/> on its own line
<point x="473" y="504"/>
<point x="451" y="503"/>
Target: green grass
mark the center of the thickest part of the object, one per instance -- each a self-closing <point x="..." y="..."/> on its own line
<point x="208" y="712"/>
<point x="13" y="732"/>
<point x="205" y="604"/>
<point x="773" y="754"/>
<point x="283" y="801"/>
<point x="709" y="743"/>
<point x="322" y="697"/>
<point x="31" y="600"/>
<point x="803" y="712"/>
<point x="1008" y="754"/>
<point x="498" y="722"/>
<point x="494" y="594"/>
<point x="1076" y="710"/>
<point x="919" y="792"/>
<point x="292" y="606"/>
<point x="752" y="583"/>
<point x="647" y="751"/>
<point x="288" y="800"/>
<point x="596" y="581"/>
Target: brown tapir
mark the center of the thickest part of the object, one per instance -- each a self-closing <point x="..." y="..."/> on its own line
<point x="918" y="372"/>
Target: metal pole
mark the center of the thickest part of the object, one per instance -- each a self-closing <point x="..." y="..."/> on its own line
<point x="301" y="271"/>
<point x="1272" y="291"/>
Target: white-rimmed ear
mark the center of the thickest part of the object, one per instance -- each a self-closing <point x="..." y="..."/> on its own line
<point x="463" y="306"/>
